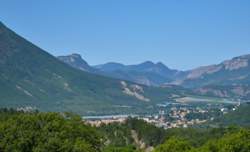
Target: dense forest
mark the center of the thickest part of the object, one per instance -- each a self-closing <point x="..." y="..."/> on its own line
<point x="66" y="132"/>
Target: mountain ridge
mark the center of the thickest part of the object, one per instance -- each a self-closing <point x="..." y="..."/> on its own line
<point x="146" y="73"/>
<point x="228" y="72"/>
<point x="75" y="60"/>
<point x="211" y="80"/>
<point x="179" y="77"/>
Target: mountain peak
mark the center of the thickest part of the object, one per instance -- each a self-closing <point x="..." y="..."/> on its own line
<point x="113" y="63"/>
<point x="160" y="64"/>
<point x="1" y="24"/>
<point x="247" y="56"/>
<point x="76" y="55"/>
<point x="75" y="60"/>
<point x="110" y="66"/>
<point x="73" y="56"/>
<point x="148" y="62"/>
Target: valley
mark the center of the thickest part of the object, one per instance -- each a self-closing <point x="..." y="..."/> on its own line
<point x="124" y="76"/>
<point x="31" y="77"/>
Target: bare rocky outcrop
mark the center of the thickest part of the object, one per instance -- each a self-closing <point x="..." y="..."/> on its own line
<point x="75" y="60"/>
<point x="134" y="90"/>
<point x="235" y="64"/>
<point x="139" y="143"/>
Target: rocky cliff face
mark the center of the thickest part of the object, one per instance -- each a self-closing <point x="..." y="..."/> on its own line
<point x="75" y="60"/>
<point x="237" y="63"/>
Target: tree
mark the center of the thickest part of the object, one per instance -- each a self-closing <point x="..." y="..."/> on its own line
<point x="50" y="132"/>
<point x="174" y="145"/>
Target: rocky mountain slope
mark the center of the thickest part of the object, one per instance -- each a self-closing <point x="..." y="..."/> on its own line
<point x="229" y="79"/>
<point x="230" y="72"/>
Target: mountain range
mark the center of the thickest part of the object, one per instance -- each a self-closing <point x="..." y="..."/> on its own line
<point x="229" y="79"/>
<point x="29" y="76"/>
<point x="146" y="73"/>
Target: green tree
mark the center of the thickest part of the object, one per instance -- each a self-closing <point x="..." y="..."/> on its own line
<point x="174" y="145"/>
<point x="47" y="132"/>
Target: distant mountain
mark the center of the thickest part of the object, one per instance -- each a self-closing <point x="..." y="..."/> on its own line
<point x="147" y="73"/>
<point x="76" y="61"/>
<point x="110" y="67"/>
<point x="29" y="76"/>
<point x="229" y="79"/>
<point x="231" y="72"/>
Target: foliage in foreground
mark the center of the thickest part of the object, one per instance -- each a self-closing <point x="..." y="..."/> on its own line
<point x="46" y="132"/>
<point x="54" y="132"/>
<point x="235" y="142"/>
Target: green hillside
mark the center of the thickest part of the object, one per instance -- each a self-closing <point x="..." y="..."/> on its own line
<point x="30" y="76"/>
<point x="239" y="117"/>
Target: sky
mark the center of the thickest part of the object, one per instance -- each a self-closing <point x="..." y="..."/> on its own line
<point x="183" y="34"/>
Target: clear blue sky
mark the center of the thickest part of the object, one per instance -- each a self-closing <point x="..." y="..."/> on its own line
<point x="181" y="33"/>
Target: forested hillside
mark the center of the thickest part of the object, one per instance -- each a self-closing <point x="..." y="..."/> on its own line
<point x="177" y="139"/>
<point x="238" y="117"/>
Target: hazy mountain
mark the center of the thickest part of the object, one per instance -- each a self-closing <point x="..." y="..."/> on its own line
<point x="110" y="67"/>
<point x="147" y="73"/>
<point x="230" y="78"/>
<point x="30" y="76"/>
